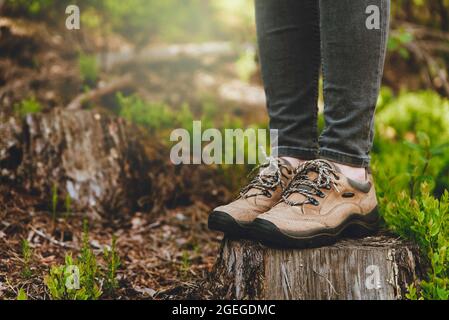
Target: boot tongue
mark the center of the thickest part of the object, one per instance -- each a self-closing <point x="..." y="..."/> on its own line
<point x="312" y="175"/>
<point x="267" y="171"/>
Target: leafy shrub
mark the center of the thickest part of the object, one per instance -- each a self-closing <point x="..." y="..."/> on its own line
<point x="410" y="155"/>
<point x="62" y="275"/>
<point x="426" y="221"/>
<point x="402" y="117"/>
<point x="89" y="274"/>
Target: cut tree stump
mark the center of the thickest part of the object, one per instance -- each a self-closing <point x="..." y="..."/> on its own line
<point x="373" y="268"/>
<point x="94" y="158"/>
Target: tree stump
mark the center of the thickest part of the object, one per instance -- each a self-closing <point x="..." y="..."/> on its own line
<point x="373" y="268"/>
<point x="96" y="159"/>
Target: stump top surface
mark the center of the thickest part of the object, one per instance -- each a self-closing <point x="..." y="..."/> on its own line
<point x="367" y="243"/>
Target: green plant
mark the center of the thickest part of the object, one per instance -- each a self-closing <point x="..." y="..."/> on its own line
<point x="185" y="263"/>
<point x="21" y="295"/>
<point x="76" y="279"/>
<point x="68" y="205"/>
<point x="26" y="255"/>
<point x="113" y="263"/>
<point x="426" y="221"/>
<point x="412" y="293"/>
<point x="410" y="161"/>
<point x="153" y="116"/>
<point x="27" y="106"/>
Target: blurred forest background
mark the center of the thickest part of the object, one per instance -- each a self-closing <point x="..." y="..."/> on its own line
<point x="113" y="204"/>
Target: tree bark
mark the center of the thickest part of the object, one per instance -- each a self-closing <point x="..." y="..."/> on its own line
<point x="374" y="268"/>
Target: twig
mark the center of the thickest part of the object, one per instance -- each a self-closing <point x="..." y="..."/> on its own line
<point x="52" y="240"/>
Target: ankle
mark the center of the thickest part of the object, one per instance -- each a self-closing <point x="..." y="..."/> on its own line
<point x="354" y="173"/>
<point x="294" y="162"/>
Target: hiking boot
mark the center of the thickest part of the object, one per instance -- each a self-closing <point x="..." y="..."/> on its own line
<point x="264" y="191"/>
<point x="319" y="206"/>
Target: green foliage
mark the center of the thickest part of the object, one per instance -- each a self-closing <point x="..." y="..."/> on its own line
<point x="62" y="280"/>
<point x="409" y="155"/>
<point x="424" y="219"/>
<point x="77" y="279"/>
<point x="185" y="263"/>
<point x="113" y="263"/>
<point x="21" y="295"/>
<point x="83" y="278"/>
<point x="88" y="68"/>
<point x="154" y="116"/>
<point x="414" y="112"/>
<point x="412" y="293"/>
<point x="26" y="255"/>
<point x="27" y="106"/>
<point x="397" y="42"/>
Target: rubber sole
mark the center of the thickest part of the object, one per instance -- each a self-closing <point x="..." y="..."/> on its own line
<point x="356" y="226"/>
<point x="223" y="222"/>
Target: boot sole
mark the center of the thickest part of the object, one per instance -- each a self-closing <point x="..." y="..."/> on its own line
<point x="223" y="222"/>
<point x="356" y="226"/>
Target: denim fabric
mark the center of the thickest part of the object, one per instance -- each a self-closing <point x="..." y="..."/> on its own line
<point x="298" y="38"/>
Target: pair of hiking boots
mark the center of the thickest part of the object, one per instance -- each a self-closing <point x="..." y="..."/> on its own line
<point x="308" y="206"/>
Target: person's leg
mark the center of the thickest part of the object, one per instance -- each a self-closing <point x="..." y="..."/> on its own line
<point x="353" y="58"/>
<point x="289" y="50"/>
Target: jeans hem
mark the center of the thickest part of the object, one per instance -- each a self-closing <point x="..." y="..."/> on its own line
<point x="296" y="152"/>
<point x="344" y="158"/>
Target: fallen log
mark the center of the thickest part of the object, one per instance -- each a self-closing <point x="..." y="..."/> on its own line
<point x="374" y="268"/>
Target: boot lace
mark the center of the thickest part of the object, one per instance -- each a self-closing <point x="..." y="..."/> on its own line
<point x="268" y="179"/>
<point x="310" y="189"/>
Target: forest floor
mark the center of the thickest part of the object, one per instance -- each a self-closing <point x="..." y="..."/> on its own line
<point x="164" y="254"/>
<point x="161" y="257"/>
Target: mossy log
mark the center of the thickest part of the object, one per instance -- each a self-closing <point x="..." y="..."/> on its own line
<point x="373" y="268"/>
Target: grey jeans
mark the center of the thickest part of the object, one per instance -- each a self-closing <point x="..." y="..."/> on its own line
<point x="296" y="39"/>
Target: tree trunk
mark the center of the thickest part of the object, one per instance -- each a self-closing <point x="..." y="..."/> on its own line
<point x="374" y="268"/>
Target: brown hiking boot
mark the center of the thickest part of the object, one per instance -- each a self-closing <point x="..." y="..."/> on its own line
<point x="319" y="206"/>
<point x="257" y="197"/>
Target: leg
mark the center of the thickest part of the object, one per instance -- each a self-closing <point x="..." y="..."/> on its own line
<point x="353" y="59"/>
<point x="289" y="45"/>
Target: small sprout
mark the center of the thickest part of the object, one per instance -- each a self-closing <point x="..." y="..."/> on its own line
<point x="26" y="254"/>
<point x="113" y="263"/>
<point x="54" y="201"/>
<point x="68" y="205"/>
